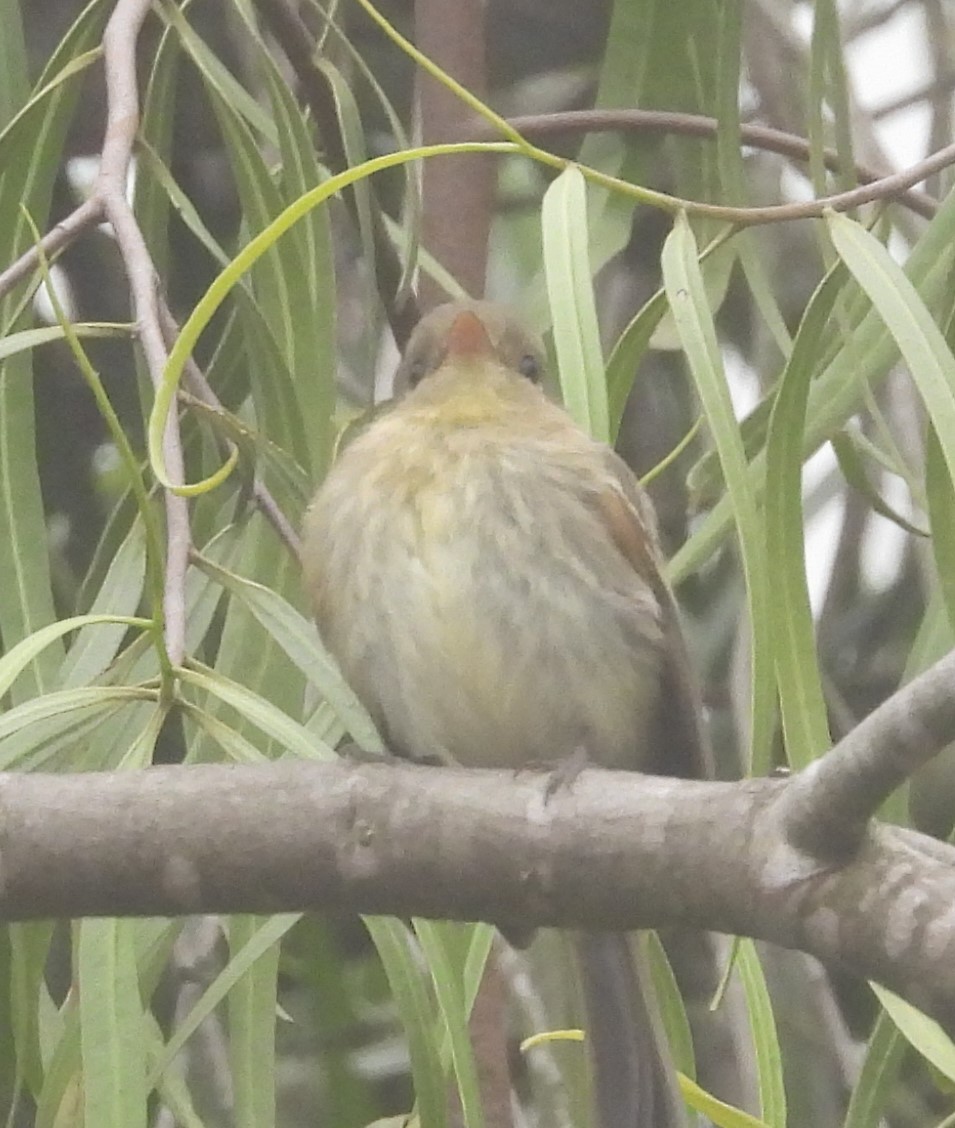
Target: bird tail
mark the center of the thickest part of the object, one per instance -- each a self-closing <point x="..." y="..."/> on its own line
<point x="634" y="1079"/>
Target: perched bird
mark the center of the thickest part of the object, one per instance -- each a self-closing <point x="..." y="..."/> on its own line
<point x="489" y="579"/>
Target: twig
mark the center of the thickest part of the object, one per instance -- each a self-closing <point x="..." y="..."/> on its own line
<point x="936" y="87"/>
<point x="122" y="121"/>
<point x="64" y="234"/>
<point x="698" y="125"/>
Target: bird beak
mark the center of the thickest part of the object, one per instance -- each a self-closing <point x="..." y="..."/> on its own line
<point x="467" y="338"/>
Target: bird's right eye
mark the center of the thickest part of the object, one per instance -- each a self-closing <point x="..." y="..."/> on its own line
<point x="416" y="373"/>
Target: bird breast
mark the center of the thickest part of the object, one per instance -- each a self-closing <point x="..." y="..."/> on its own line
<point x="476" y="601"/>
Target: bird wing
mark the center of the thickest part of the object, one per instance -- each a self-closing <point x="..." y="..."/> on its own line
<point x="678" y="729"/>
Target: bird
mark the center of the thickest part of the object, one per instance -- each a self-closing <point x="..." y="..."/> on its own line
<point x="489" y="578"/>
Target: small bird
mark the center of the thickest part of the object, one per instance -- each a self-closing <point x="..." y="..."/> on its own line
<point x="489" y="579"/>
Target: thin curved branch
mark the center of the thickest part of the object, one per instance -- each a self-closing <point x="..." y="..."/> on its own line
<point x="698" y="125"/>
<point x="64" y="234"/>
<point x="122" y="121"/>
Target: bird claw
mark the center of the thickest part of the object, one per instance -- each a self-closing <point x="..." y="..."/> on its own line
<point x="566" y="771"/>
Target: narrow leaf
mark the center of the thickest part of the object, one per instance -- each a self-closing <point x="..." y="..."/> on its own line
<point x="571" y="297"/>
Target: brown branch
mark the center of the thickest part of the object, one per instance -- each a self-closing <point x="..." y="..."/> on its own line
<point x="885" y="188"/>
<point x="63" y="235"/>
<point x="122" y="121"/>
<point x="871" y="18"/>
<point x="939" y="86"/>
<point x="611" y="851"/>
<point x="828" y="807"/>
<point x="655" y="122"/>
<point x="457" y="192"/>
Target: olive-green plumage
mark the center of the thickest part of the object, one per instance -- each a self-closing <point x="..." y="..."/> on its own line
<point x="488" y="578"/>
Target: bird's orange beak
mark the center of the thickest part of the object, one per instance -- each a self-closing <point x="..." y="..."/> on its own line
<point x="467" y="337"/>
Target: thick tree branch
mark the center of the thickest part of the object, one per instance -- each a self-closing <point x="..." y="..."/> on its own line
<point x="457" y="193"/>
<point x="828" y="806"/>
<point x="612" y="850"/>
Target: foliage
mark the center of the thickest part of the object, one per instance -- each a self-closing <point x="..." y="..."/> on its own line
<point x="849" y="345"/>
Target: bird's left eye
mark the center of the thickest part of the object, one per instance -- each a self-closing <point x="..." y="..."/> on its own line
<point x="530" y="367"/>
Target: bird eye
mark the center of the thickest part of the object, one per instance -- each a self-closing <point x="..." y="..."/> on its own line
<point x="530" y="367"/>
<point x="416" y="373"/>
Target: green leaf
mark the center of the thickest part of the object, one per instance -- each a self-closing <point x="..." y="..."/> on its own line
<point x="861" y="360"/>
<point x="244" y="651"/>
<point x="262" y="939"/>
<point x="235" y="746"/>
<point x="217" y="76"/>
<point x="625" y="79"/>
<point x="29" y="952"/>
<point x="801" y="700"/>
<point x="14" y="61"/>
<point x="60" y="705"/>
<point x="849" y="455"/>
<point x="920" y="1031"/>
<point x="152" y="164"/>
<point x="403" y="970"/>
<point x="119" y="595"/>
<point x="672" y="1010"/>
<point x="28" y="339"/>
<point x="716" y="270"/>
<point x="878" y="1076"/>
<point x="173" y="1086"/>
<point x="299" y="639"/>
<point x="769" y="1063"/>
<point x="479" y="949"/>
<point x="919" y="339"/>
<point x="719" y="1113"/>
<point x="290" y="735"/>
<point x="571" y="297"/>
<point x="941" y="510"/>
<point x="687" y="297"/>
<point x="316" y="347"/>
<point x="627" y="353"/>
<point x="29" y="172"/>
<point x="111" y="1025"/>
<point x="19" y="657"/>
<point x="729" y="157"/>
<point x="19" y="128"/>
<point x="433" y="938"/>
<point x="253" y="999"/>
